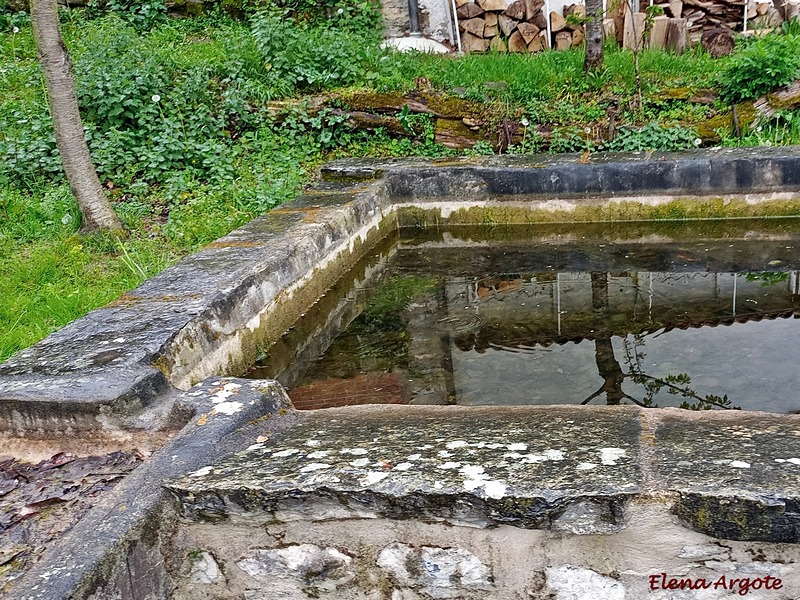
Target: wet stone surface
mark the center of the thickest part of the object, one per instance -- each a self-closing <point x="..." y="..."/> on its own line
<point x="480" y="466"/>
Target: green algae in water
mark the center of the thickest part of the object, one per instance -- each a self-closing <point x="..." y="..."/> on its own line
<point x="699" y="317"/>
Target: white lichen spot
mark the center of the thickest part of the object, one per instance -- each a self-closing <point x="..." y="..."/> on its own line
<point x="255" y="447"/>
<point x="374" y="477"/>
<point x="232" y="387"/>
<point x="794" y="461"/>
<point x="437" y="485"/>
<point x="554" y="455"/>
<point x="512" y="455"/>
<point x="473" y="471"/>
<point x="610" y="456"/>
<point x="315" y="467"/>
<point x="738" y="464"/>
<point x="449" y="465"/>
<point x="586" y="466"/>
<point x="228" y="408"/>
<point x="201" y="472"/>
<point x="413" y="456"/>
<point x="495" y="489"/>
<point x="455" y="444"/>
<point x="353" y="451"/>
<point x="313" y="443"/>
<point x="284" y="453"/>
<point x="425" y="447"/>
<point x="215" y="382"/>
<point x="517" y="446"/>
<point x="444" y="453"/>
<point x="220" y="396"/>
<point x="405" y="466"/>
<point x="360" y="462"/>
<point x="472" y="484"/>
<point x="318" y="454"/>
<point x="119" y="340"/>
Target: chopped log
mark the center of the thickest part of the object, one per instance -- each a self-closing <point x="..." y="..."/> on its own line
<point x="785" y="98"/>
<point x="615" y="9"/>
<point x="474" y="43"/>
<point x="498" y="44"/>
<point x="633" y="38"/>
<point x="563" y="40"/>
<point x="516" y="43"/>
<point x="516" y="10"/>
<point x="490" y="19"/>
<point x="488" y="5"/>
<point x="538" y="43"/>
<point x="658" y="32"/>
<point x="540" y="20"/>
<point x="474" y="26"/>
<point x="675" y="9"/>
<point x="609" y="30"/>
<point x="577" y="37"/>
<point x="676" y="35"/>
<point x="762" y="8"/>
<point x="460" y="3"/>
<point x="490" y="32"/>
<point x="531" y="8"/>
<point x="792" y="10"/>
<point x="469" y="11"/>
<point x="528" y="31"/>
<point x="578" y="10"/>
<point x="557" y="22"/>
<point x="506" y="24"/>
<point x="717" y="42"/>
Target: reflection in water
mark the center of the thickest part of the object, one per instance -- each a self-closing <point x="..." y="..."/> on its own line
<point x="516" y="325"/>
<point x="610" y="371"/>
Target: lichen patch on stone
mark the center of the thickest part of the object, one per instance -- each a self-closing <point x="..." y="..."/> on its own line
<point x="314" y="467"/>
<point x="610" y="456"/>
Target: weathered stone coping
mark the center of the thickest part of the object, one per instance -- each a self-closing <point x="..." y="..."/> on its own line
<point x="209" y="313"/>
<point x="715" y="172"/>
<point x="730" y="475"/>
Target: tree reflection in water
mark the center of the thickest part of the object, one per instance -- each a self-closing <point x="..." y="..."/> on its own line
<point x="613" y="376"/>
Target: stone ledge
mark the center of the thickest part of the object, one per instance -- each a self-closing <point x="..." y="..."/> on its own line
<point x="109" y="365"/>
<point x="555" y="467"/>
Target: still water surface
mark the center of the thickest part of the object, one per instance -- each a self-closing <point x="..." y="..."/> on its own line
<point x="702" y="316"/>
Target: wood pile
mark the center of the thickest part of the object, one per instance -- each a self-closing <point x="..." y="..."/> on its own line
<point x="705" y="15"/>
<point x="517" y="27"/>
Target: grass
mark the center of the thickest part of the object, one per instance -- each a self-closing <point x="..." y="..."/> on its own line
<point x="208" y="156"/>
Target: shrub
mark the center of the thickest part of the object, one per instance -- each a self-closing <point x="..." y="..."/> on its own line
<point x="760" y="66"/>
<point x="303" y="57"/>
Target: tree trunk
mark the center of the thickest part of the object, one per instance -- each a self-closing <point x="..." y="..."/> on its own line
<point x="70" y="138"/>
<point x="594" y="36"/>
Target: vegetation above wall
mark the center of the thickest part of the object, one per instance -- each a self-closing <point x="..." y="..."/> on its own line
<point x="198" y="125"/>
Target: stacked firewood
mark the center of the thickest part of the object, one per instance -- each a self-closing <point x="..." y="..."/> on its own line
<point x="704" y="15"/>
<point x="517" y="27"/>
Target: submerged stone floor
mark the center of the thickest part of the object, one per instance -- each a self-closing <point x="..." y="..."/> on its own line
<point x="349" y="500"/>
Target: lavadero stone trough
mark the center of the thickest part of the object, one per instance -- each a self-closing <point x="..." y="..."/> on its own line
<point x="255" y="500"/>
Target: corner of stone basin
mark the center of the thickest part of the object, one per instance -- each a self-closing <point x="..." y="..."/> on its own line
<point x="116" y="547"/>
<point x="203" y="315"/>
